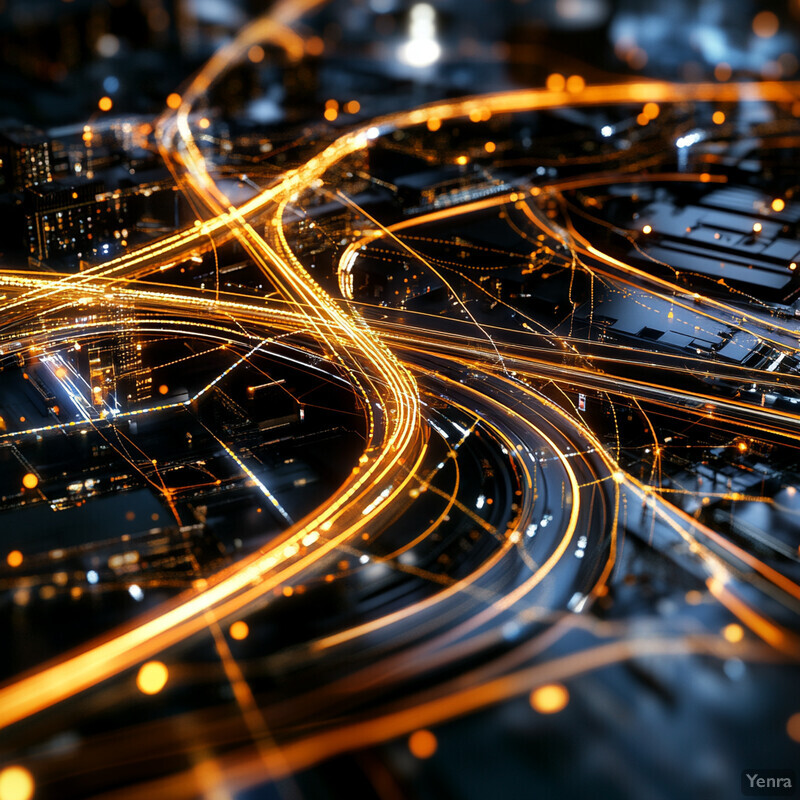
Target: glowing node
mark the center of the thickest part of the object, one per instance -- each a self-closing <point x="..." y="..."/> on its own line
<point x="556" y="82"/>
<point x="718" y="117"/>
<point x="575" y="84"/>
<point x="105" y="104"/>
<point x="549" y="699"/>
<point x="723" y="72"/>
<point x="239" y="630"/>
<point x="693" y="597"/>
<point x="152" y="677"/>
<point x="651" y="110"/>
<point x="793" y="727"/>
<point x="163" y="389"/>
<point x="778" y="204"/>
<point x="16" y="783"/>
<point x="173" y="100"/>
<point x="765" y="24"/>
<point x="14" y="558"/>
<point x="315" y="46"/>
<point x="733" y="633"/>
<point x="30" y="481"/>
<point x="647" y="229"/>
<point x="422" y="744"/>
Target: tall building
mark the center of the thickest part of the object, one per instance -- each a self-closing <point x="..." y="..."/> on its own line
<point x="134" y="383"/>
<point x="72" y="218"/>
<point x="25" y="158"/>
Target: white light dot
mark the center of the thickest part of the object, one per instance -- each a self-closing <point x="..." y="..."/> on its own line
<point x="136" y="592"/>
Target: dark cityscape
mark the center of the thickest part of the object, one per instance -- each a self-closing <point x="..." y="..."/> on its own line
<point x="399" y="400"/>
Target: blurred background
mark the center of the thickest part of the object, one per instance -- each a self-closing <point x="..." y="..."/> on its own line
<point x="58" y="58"/>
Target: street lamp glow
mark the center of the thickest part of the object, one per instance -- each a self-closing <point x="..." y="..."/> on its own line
<point x="421" y="49"/>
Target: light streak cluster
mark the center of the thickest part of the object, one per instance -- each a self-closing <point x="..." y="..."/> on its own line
<point x="431" y="396"/>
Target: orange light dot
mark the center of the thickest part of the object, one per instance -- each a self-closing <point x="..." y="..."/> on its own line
<point x="765" y="24"/>
<point x="575" y="84"/>
<point x="556" y="82"/>
<point x="288" y="591"/>
<point x="16" y="783"/>
<point x="723" y="71"/>
<point x="647" y="229"/>
<point x="718" y="117"/>
<point x="434" y="124"/>
<point x="693" y="597"/>
<point x="793" y="727"/>
<point x="105" y="104"/>
<point x="490" y="147"/>
<point x="239" y="630"/>
<point x="475" y="115"/>
<point x="61" y="372"/>
<point x="757" y="227"/>
<point x="315" y="46"/>
<point x="636" y="58"/>
<point x="549" y="699"/>
<point x="163" y="389"/>
<point x="14" y="558"/>
<point x="704" y="177"/>
<point x="733" y="633"/>
<point x="642" y="119"/>
<point x="331" y="114"/>
<point x="256" y="53"/>
<point x="204" y="123"/>
<point x="742" y="447"/>
<point x="651" y="110"/>
<point x="778" y="204"/>
<point x="173" y="100"/>
<point x="332" y="104"/>
<point x="30" y="481"/>
<point x="793" y="266"/>
<point x="422" y="744"/>
<point x="461" y="160"/>
<point x="353" y="107"/>
<point x="152" y="677"/>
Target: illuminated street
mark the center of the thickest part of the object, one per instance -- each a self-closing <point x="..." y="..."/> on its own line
<point x="399" y="400"/>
